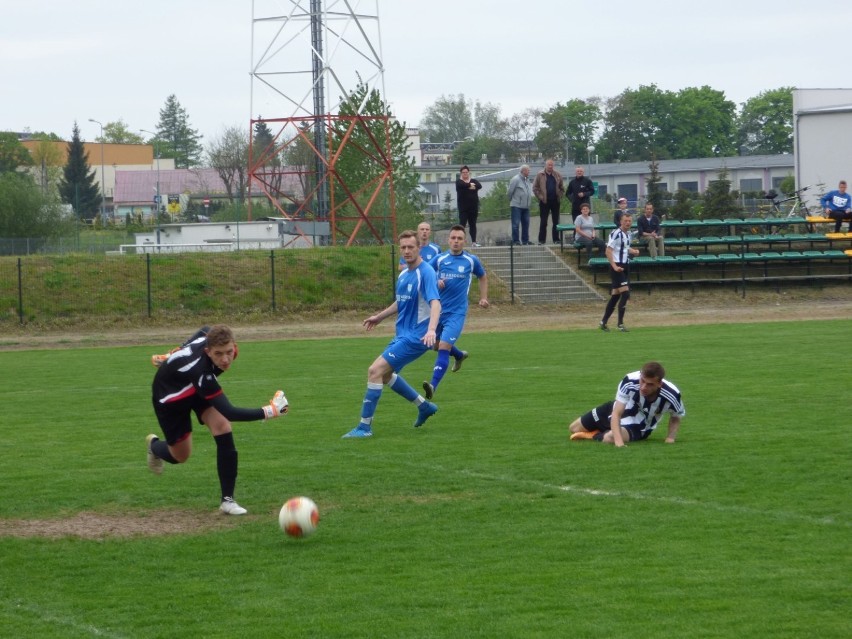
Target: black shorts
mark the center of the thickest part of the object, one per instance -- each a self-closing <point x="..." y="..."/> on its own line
<point x="620" y="279"/>
<point x="599" y="419"/>
<point x="176" y="419"/>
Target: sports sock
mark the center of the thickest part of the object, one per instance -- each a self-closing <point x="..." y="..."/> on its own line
<point x="441" y="364"/>
<point x="371" y="401"/>
<point x="400" y="386"/>
<point x="161" y="450"/>
<point x="622" y="306"/>
<point x="610" y="307"/>
<point x="454" y="352"/>
<point x="226" y="463"/>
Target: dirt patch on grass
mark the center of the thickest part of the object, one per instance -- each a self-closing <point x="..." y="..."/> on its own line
<point x="91" y="525"/>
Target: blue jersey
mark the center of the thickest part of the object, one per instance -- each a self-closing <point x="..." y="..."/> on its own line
<point x="457" y="271"/>
<point x="415" y="289"/>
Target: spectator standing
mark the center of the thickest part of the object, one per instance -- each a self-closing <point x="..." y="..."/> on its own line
<point x="584" y="231"/>
<point x="837" y="205"/>
<point x="467" y="198"/>
<point x="651" y="232"/>
<point x="520" y="194"/>
<point x="618" y="253"/>
<point x="580" y="190"/>
<point x="642" y="398"/>
<point x="548" y="188"/>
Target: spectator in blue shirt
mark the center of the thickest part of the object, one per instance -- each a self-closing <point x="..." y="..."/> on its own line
<point x="651" y="232"/>
<point x="838" y="206"/>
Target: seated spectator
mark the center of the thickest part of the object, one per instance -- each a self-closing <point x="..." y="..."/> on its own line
<point x="584" y="231"/>
<point x="651" y="233"/>
<point x="838" y="206"/>
<point x="621" y="210"/>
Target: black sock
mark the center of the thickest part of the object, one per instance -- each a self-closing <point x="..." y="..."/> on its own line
<point x="610" y="307"/>
<point x="226" y="463"/>
<point x="161" y="450"/>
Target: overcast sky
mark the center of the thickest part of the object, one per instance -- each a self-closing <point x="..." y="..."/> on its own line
<point x="111" y="60"/>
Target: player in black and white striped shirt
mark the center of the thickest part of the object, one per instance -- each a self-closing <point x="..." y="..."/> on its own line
<point x="618" y="253"/>
<point x="642" y="398"/>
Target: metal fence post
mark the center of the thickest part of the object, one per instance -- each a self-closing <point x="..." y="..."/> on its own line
<point x="20" y="293"/>
<point x="148" y="277"/>
<point x="512" y="271"/>
<point x="272" y="269"/>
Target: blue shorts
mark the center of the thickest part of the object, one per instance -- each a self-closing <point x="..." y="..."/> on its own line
<point x="599" y="419"/>
<point x="402" y="351"/>
<point x="450" y="328"/>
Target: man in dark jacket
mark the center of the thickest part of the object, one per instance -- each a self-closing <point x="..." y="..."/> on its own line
<point x="580" y="190"/>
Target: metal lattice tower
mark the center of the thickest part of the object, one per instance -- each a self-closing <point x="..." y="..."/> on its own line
<point x="308" y="58"/>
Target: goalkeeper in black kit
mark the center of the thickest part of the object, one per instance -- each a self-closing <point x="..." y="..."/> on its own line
<point x="187" y="382"/>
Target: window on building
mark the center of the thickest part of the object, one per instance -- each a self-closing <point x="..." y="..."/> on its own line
<point x="692" y="187"/>
<point x="751" y="185"/>
<point x="601" y="191"/>
<point x="630" y="191"/>
<point x="776" y="182"/>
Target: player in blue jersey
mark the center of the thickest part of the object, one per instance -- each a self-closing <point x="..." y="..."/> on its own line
<point x="418" y="309"/>
<point x="456" y="269"/>
<point x="428" y="249"/>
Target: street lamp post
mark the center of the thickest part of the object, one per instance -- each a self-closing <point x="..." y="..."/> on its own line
<point x="103" y="182"/>
<point x="589" y="150"/>
<point x="157" y="151"/>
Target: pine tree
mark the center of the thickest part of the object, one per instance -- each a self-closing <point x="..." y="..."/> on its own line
<point x="656" y="194"/>
<point x="77" y="186"/>
<point x="177" y="139"/>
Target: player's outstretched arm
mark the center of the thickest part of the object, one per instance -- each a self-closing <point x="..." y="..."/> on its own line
<point x="374" y="320"/>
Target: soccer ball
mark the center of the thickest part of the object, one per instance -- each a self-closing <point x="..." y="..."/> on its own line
<point x="299" y="517"/>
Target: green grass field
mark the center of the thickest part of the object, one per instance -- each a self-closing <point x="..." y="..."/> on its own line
<point x="487" y="522"/>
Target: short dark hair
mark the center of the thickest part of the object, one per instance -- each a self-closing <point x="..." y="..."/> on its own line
<point x="219" y="335"/>
<point x="457" y="227"/>
<point x="653" y="370"/>
<point x="464" y="168"/>
<point x="586" y="205"/>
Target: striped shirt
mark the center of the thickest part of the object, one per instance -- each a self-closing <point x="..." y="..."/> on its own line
<point x="619" y="242"/>
<point x="645" y="412"/>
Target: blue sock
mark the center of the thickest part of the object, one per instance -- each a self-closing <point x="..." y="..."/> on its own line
<point x="442" y="362"/>
<point x="455" y="352"/>
<point x="400" y="386"/>
<point x="371" y="400"/>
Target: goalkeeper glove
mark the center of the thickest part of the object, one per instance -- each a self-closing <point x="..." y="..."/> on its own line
<point x="278" y="405"/>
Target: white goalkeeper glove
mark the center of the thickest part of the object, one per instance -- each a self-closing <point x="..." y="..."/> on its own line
<point x="278" y="405"/>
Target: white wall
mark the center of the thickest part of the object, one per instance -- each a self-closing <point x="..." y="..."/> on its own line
<point x="822" y="126"/>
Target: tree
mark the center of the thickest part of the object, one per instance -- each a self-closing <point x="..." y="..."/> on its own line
<point x="765" y="124"/>
<point x="47" y="165"/>
<point x="522" y="128"/>
<point x="13" y="154"/>
<point x="373" y="142"/>
<point x="24" y="210"/>
<point x="449" y="119"/>
<point x="487" y="121"/>
<point x="118" y="133"/>
<point x="638" y="123"/>
<point x="569" y="129"/>
<point x="77" y="186"/>
<point x="719" y="200"/>
<point x="703" y="124"/>
<point x="228" y="154"/>
<point x="177" y="139"/>
<point x="656" y="194"/>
